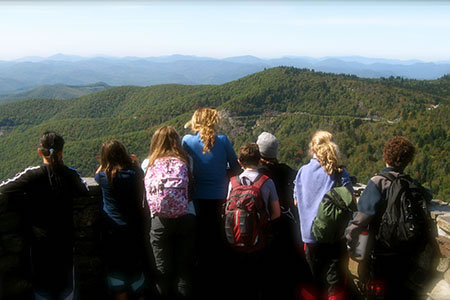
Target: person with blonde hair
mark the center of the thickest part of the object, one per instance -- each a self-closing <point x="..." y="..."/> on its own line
<point x="214" y="160"/>
<point x="167" y="181"/>
<point x="312" y="182"/>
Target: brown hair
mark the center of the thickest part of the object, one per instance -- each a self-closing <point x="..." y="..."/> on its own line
<point x="398" y="152"/>
<point x="249" y="155"/>
<point x="204" y="121"/>
<point x="114" y="157"/>
<point x="166" y="142"/>
<point x="326" y="151"/>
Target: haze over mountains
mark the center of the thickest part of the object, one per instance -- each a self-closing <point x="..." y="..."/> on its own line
<point x="28" y="73"/>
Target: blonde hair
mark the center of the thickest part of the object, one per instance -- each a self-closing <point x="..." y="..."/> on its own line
<point x="166" y="143"/>
<point x="326" y="151"/>
<point x="204" y="121"/>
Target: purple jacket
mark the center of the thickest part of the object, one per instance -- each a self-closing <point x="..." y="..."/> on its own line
<point x="310" y="185"/>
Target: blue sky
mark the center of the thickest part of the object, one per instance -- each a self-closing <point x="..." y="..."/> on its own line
<point x="268" y="29"/>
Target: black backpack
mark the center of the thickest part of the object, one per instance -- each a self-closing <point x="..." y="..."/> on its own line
<point x="405" y="224"/>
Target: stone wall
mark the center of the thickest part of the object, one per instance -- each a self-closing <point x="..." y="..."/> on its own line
<point x="89" y="274"/>
<point x="14" y="251"/>
<point x="441" y="214"/>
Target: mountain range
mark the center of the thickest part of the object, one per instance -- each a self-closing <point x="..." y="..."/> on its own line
<point x="56" y="91"/>
<point x="289" y="102"/>
<point x="27" y="73"/>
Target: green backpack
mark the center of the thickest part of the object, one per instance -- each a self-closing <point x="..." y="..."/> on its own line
<point x="335" y="211"/>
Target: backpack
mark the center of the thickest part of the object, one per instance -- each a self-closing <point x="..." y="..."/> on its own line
<point x="335" y="211"/>
<point x="166" y="183"/>
<point x="283" y="177"/>
<point x="245" y="217"/>
<point x="404" y="225"/>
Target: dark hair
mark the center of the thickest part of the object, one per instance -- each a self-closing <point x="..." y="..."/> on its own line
<point x="51" y="145"/>
<point x="114" y="158"/>
<point x="249" y="155"/>
<point x="398" y="152"/>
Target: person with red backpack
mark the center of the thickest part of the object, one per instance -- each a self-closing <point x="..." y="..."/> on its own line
<point x="167" y="181"/>
<point x="252" y="202"/>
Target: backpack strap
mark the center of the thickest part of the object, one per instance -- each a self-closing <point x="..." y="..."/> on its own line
<point x="337" y="179"/>
<point x="260" y="180"/>
<point x="388" y="175"/>
<point x="235" y="181"/>
<point x="336" y="199"/>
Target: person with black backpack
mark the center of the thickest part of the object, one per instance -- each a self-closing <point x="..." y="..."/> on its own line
<point x="393" y="209"/>
<point x="251" y="204"/>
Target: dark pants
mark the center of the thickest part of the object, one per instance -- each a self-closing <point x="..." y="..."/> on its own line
<point x="327" y="263"/>
<point x="172" y="241"/>
<point x="390" y="276"/>
<point x="249" y="276"/>
<point x="212" y="250"/>
<point x="285" y="265"/>
<point x="124" y="258"/>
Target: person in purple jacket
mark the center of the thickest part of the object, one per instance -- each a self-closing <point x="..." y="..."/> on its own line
<point x="214" y="160"/>
<point x="312" y="182"/>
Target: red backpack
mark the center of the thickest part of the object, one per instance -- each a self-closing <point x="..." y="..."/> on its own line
<point x="245" y="217"/>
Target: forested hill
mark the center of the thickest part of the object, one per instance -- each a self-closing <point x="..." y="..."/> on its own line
<point x="56" y="91"/>
<point x="291" y="103"/>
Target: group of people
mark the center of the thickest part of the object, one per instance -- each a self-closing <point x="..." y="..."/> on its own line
<point x="172" y="206"/>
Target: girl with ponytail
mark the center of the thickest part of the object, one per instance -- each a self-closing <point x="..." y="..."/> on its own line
<point x="50" y="189"/>
<point x="213" y="160"/>
<point x="313" y="181"/>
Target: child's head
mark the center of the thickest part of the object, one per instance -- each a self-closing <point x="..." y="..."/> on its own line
<point x="51" y="147"/>
<point x="166" y="142"/>
<point x="249" y="155"/>
<point x="114" y="156"/>
<point x="203" y="121"/>
<point x="398" y="152"/>
<point x="268" y="147"/>
<point x="326" y="151"/>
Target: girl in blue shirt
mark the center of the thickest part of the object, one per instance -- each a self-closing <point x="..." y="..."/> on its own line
<point x="213" y="161"/>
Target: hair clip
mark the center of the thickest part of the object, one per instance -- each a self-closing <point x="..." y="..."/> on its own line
<point x="50" y="150"/>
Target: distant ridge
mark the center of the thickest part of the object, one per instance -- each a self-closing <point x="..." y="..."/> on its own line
<point x="31" y="72"/>
<point x="56" y="91"/>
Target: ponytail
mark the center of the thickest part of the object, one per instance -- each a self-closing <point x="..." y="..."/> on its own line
<point x="204" y="121"/>
<point x="326" y="151"/>
<point x="51" y="146"/>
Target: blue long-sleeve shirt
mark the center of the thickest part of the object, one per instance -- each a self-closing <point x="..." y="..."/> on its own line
<point x="310" y="185"/>
<point x="122" y="197"/>
<point x="210" y="169"/>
